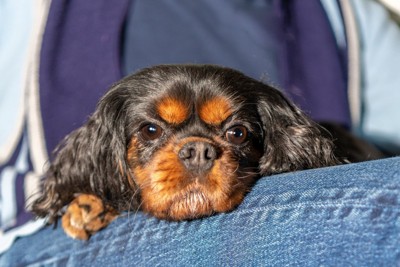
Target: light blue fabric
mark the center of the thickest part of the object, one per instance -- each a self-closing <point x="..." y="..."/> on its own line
<point x="16" y="25"/>
<point x="16" y="19"/>
<point x="345" y="215"/>
<point x="380" y="52"/>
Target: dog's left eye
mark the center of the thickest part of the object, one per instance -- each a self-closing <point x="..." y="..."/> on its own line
<point x="236" y="134"/>
<point x="151" y="131"/>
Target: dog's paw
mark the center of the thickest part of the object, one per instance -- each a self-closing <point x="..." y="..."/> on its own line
<point x="85" y="215"/>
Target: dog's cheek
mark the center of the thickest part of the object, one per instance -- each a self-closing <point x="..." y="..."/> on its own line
<point x="225" y="188"/>
<point x="160" y="180"/>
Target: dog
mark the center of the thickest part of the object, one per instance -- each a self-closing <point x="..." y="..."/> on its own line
<point x="178" y="142"/>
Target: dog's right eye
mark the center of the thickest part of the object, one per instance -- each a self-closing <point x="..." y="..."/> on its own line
<point x="151" y="131"/>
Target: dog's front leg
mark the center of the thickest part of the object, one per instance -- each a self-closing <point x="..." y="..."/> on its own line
<point x="86" y="215"/>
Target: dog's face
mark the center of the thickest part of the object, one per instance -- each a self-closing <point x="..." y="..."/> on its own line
<point x="195" y="146"/>
<point x="182" y="142"/>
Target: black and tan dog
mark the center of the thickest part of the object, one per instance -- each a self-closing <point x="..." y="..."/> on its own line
<point x="178" y="142"/>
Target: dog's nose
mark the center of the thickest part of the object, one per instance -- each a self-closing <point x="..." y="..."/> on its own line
<point x="198" y="156"/>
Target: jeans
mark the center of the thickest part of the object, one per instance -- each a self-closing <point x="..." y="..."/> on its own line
<point x="338" y="216"/>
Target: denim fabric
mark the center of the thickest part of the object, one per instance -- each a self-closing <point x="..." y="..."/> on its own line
<point x="339" y="216"/>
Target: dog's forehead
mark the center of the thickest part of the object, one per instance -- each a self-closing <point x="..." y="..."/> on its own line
<point x="181" y="102"/>
<point x="206" y="98"/>
<point x="212" y="110"/>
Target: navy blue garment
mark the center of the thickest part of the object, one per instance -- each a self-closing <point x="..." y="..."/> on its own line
<point x="346" y="215"/>
<point x="313" y="67"/>
<point x="79" y="61"/>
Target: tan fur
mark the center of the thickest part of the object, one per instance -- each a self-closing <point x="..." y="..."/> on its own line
<point x="215" y="110"/>
<point x="86" y="215"/>
<point x="172" y="110"/>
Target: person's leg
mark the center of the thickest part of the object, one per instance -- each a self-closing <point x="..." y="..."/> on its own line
<point x="339" y="216"/>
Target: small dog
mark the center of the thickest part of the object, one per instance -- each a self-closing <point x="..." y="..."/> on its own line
<point x="179" y="142"/>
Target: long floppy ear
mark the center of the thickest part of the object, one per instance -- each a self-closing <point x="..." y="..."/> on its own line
<point x="292" y="141"/>
<point x="91" y="160"/>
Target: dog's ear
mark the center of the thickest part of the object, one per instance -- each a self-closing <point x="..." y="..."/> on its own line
<point x="90" y="160"/>
<point x="292" y="141"/>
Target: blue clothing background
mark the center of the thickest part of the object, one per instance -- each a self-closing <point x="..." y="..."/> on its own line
<point x="345" y="215"/>
<point x="83" y="52"/>
<point x="236" y="33"/>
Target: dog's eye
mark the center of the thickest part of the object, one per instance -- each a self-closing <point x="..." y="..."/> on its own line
<point x="236" y="134"/>
<point x="151" y="131"/>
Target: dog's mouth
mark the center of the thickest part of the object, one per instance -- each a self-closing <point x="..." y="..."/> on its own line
<point x="190" y="204"/>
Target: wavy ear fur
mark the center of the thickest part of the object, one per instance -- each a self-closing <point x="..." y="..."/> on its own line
<point x="91" y="160"/>
<point x="291" y="140"/>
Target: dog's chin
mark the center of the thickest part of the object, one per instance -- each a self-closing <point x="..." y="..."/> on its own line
<point x="195" y="203"/>
<point x="192" y="204"/>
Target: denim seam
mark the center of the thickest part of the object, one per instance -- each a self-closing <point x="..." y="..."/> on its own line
<point x="314" y="204"/>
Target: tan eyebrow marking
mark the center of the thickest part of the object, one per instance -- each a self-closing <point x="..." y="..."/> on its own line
<point x="215" y="110"/>
<point x="172" y="110"/>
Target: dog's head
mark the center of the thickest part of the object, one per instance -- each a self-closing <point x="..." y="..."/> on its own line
<point x="182" y="142"/>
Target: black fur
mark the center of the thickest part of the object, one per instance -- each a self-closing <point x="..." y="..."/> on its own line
<point x="93" y="159"/>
